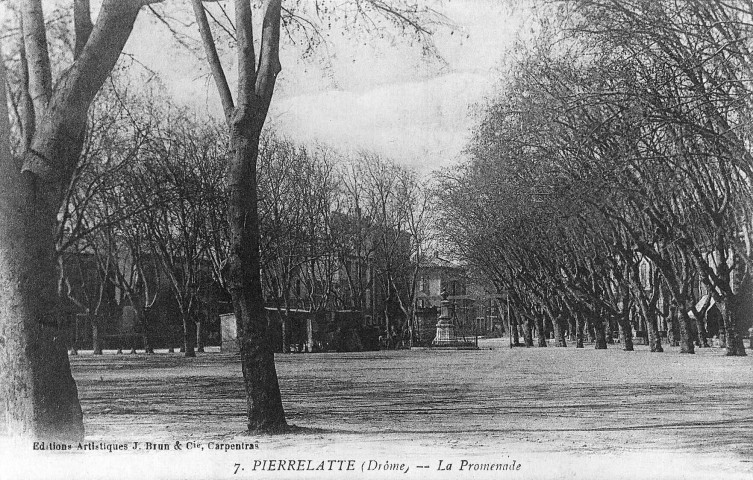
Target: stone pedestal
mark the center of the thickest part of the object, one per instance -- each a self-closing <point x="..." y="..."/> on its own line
<point x="445" y="333"/>
<point x="445" y="329"/>
<point x="229" y="333"/>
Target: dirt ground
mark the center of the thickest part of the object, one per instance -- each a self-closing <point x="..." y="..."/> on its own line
<point x="555" y="412"/>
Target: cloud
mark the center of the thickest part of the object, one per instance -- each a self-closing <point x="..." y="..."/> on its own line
<point x="424" y="124"/>
<point x="360" y="92"/>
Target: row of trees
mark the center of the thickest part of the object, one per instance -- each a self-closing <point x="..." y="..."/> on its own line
<point x="340" y="233"/>
<point x="613" y="172"/>
<point x="140" y="211"/>
<point x="145" y="210"/>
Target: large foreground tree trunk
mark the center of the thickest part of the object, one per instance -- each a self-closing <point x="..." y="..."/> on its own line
<point x="37" y="391"/>
<point x="39" y="395"/>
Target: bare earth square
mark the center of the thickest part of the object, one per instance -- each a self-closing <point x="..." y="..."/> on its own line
<point x="555" y="411"/>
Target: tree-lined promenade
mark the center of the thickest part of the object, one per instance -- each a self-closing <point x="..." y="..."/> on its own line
<point x="611" y="177"/>
<point x="609" y="181"/>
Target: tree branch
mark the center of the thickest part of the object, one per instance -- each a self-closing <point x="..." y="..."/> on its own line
<point x="37" y="55"/>
<point x="269" y="57"/>
<point x="213" y="58"/>
<point x="246" y="53"/>
<point x="82" y="22"/>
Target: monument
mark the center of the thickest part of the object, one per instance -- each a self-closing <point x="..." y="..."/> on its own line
<point x="445" y="336"/>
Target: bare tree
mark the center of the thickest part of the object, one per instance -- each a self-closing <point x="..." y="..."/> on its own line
<point x="245" y="115"/>
<point x="39" y="394"/>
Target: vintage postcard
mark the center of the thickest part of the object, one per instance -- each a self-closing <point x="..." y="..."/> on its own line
<point x="388" y="239"/>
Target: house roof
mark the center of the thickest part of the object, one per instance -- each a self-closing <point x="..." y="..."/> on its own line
<point x="438" y="262"/>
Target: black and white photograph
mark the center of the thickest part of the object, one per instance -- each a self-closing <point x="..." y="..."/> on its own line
<point x="376" y="239"/>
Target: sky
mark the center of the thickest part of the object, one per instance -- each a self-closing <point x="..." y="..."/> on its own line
<point x="360" y="91"/>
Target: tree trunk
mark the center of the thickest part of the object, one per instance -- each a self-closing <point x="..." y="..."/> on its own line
<point x="540" y="330"/>
<point x="559" y="331"/>
<point x="673" y="327"/>
<point x="145" y="333"/>
<point x="579" y="321"/>
<point x="188" y="337"/>
<point x="572" y="326"/>
<point x="245" y="122"/>
<point x="264" y="402"/>
<point x="599" y="333"/>
<point x="199" y="339"/>
<point x="527" y="331"/>
<point x="654" y="339"/>
<point x="39" y="395"/>
<point x="285" y="327"/>
<point x="626" y="330"/>
<point x="96" y="339"/>
<point x="591" y="331"/>
<point x="514" y="329"/>
<point x="729" y="309"/>
<point x="703" y="341"/>
<point x="609" y="331"/>
<point x="722" y="331"/>
<point x="686" y="329"/>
